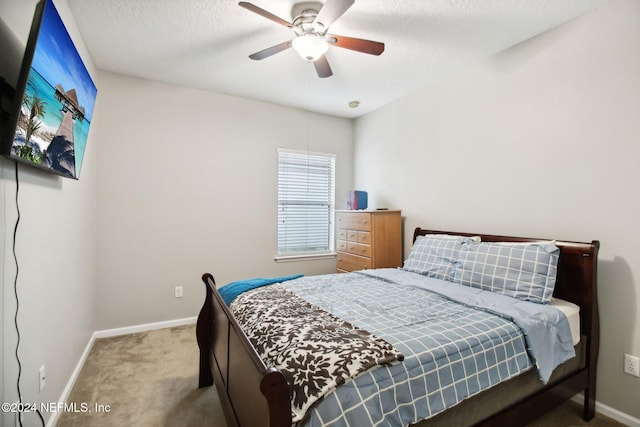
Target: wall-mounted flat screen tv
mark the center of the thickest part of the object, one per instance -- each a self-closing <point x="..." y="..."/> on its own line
<point x="53" y="101"/>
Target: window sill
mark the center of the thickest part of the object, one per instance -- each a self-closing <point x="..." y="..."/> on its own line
<point x="310" y="257"/>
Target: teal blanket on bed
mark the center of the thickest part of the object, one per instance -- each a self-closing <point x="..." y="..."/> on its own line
<point x="231" y="290"/>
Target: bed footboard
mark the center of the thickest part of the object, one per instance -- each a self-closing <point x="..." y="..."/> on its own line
<point x="251" y="394"/>
<point x="203" y="336"/>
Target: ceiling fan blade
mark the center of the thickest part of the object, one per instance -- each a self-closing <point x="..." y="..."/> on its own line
<point x="264" y="13"/>
<point x="265" y="53"/>
<point x="332" y="10"/>
<point x="359" y="45"/>
<point x="322" y="67"/>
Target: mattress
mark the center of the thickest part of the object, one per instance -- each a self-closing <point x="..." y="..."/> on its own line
<point x="572" y="312"/>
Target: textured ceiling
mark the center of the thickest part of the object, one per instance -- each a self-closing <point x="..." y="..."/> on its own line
<point x="205" y="44"/>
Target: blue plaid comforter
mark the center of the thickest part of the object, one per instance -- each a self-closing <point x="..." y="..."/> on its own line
<point x="452" y="350"/>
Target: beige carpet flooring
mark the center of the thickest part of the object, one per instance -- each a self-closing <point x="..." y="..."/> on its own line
<point x="147" y="379"/>
<point x="151" y="379"/>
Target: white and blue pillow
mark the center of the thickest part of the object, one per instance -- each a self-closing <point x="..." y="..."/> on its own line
<point x="526" y="271"/>
<point x="435" y="255"/>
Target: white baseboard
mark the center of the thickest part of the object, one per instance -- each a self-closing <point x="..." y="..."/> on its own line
<point x="610" y="412"/>
<point x="106" y="333"/>
<point x="53" y="419"/>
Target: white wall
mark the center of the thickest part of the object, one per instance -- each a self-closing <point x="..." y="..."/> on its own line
<point x="541" y="140"/>
<point x="56" y="254"/>
<point x="187" y="184"/>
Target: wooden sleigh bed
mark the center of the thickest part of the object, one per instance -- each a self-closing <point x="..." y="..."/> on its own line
<point x="254" y="395"/>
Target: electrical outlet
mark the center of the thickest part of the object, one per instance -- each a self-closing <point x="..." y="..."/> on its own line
<point x="632" y="365"/>
<point x="178" y="292"/>
<point x="43" y="377"/>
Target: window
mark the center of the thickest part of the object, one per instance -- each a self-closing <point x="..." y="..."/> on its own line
<point x="306" y="198"/>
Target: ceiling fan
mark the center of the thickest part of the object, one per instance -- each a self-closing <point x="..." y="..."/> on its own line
<point x="312" y="40"/>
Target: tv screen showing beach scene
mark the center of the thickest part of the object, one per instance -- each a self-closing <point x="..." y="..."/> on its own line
<point x="54" y="99"/>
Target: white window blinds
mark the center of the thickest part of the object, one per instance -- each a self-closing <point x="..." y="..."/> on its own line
<point x="306" y="197"/>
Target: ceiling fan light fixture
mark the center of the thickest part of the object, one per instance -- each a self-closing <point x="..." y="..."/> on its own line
<point x="310" y="47"/>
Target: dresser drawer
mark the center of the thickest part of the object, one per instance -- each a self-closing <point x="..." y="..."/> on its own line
<point x="349" y="262"/>
<point x="354" y="221"/>
<point x="359" y="249"/>
<point x="341" y="246"/>
<point x="364" y="237"/>
<point x="341" y="234"/>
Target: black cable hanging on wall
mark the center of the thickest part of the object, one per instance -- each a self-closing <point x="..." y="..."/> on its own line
<point x="15" y="318"/>
<point x="15" y="292"/>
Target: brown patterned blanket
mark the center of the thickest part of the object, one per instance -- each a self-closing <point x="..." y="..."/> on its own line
<point x="315" y="350"/>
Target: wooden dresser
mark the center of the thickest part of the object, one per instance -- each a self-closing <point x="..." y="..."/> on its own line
<point x="368" y="239"/>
